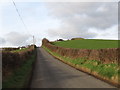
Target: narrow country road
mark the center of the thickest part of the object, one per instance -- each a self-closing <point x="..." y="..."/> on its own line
<point x="52" y="73"/>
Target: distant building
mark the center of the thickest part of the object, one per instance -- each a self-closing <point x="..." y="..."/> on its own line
<point x="77" y="38"/>
<point x="60" y="40"/>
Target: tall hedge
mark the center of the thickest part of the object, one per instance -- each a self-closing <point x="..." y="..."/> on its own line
<point x="13" y="60"/>
<point x="109" y="55"/>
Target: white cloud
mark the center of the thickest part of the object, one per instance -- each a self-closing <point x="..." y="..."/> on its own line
<point x="109" y="33"/>
<point x="78" y="18"/>
<point x="58" y="20"/>
<point x="61" y="0"/>
<point x="17" y="39"/>
<point x="2" y="40"/>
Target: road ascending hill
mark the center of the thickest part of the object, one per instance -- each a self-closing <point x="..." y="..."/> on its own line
<point x="52" y="73"/>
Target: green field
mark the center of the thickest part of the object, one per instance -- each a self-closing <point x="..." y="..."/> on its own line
<point x="18" y="50"/>
<point x="88" y="44"/>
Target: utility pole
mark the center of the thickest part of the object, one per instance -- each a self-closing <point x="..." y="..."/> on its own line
<point x="33" y="40"/>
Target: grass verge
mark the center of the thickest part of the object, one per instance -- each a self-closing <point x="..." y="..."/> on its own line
<point x="109" y="72"/>
<point x="20" y="76"/>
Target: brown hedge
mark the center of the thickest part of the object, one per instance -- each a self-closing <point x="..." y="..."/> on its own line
<point x="109" y="55"/>
<point x="13" y="60"/>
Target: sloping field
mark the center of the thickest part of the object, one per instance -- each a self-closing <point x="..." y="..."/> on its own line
<point x="88" y="44"/>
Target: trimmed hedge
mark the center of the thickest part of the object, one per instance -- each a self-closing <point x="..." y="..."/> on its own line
<point x="109" y="55"/>
<point x="13" y="60"/>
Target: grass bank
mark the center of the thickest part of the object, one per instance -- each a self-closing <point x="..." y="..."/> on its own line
<point x="107" y="72"/>
<point x="88" y="44"/>
<point x="20" y="76"/>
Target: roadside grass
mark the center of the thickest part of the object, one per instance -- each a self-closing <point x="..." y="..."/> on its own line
<point x="20" y="76"/>
<point x="88" y="44"/>
<point x="110" y="71"/>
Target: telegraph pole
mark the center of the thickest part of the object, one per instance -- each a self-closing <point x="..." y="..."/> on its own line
<point x="33" y="40"/>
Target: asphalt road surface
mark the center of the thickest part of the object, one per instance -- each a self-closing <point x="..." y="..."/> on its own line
<point x="52" y="73"/>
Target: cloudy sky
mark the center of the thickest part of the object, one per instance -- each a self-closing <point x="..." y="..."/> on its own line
<point x="53" y="20"/>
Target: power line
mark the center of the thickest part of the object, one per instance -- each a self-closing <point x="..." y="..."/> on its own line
<point x="22" y="19"/>
<point x="19" y="15"/>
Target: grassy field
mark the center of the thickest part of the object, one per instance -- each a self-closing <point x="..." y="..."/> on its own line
<point x="88" y="44"/>
<point x="18" y="50"/>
